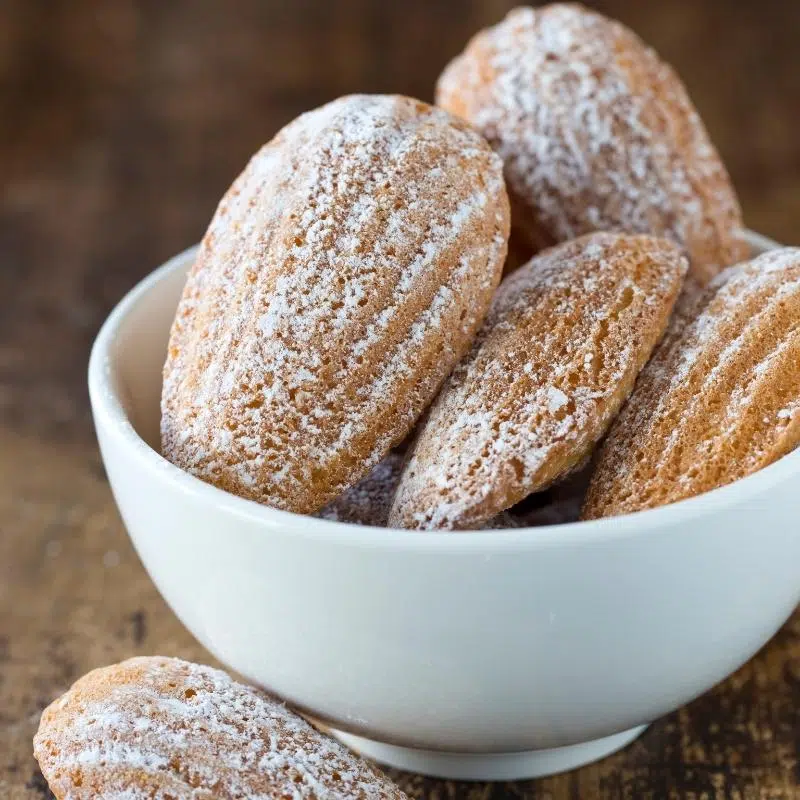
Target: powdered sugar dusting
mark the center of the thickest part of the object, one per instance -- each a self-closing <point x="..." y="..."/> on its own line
<point x="556" y="399"/>
<point x="369" y="501"/>
<point x="720" y="397"/>
<point x="558" y="353"/>
<point x="158" y="728"/>
<point x="343" y="275"/>
<point x="596" y="132"/>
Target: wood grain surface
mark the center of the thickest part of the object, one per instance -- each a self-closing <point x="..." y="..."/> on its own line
<point x="121" y="124"/>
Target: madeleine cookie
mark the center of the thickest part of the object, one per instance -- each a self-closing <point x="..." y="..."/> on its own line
<point x="557" y="356"/>
<point x="344" y="273"/>
<point x="596" y="132"/>
<point x="719" y="400"/>
<point x="164" y="728"/>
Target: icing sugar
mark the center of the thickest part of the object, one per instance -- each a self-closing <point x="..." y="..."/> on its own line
<point x="342" y="276"/>
<point x="719" y="399"/>
<point x="561" y="346"/>
<point x="596" y="132"/>
<point x="161" y="728"/>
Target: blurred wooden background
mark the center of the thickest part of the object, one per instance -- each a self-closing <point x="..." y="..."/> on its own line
<point x="121" y="124"/>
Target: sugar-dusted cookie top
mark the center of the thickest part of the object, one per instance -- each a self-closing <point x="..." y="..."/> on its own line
<point x="720" y="398"/>
<point x="343" y="275"/>
<point x="596" y="132"/>
<point x="557" y="356"/>
<point x="164" y="729"/>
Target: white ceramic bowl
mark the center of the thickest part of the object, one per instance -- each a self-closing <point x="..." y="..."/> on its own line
<point x="498" y="654"/>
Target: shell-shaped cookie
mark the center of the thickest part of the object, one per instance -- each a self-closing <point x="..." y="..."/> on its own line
<point x="343" y="275"/>
<point x="720" y="398"/>
<point x="157" y="728"/>
<point x="557" y="356"/>
<point x="596" y="132"/>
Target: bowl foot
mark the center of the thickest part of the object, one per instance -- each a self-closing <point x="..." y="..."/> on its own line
<point x="489" y="766"/>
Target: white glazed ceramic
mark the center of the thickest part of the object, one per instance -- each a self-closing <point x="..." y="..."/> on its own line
<point x="498" y="654"/>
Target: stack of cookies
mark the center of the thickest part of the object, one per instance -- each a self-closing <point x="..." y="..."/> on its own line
<point x="347" y="300"/>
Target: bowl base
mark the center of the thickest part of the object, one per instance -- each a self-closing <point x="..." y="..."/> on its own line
<point x="489" y="766"/>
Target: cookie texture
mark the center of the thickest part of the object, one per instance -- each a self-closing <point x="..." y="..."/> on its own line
<point x="557" y="356"/>
<point x="343" y="275"/>
<point x="369" y="501"/>
<point x="596" y="132"/>
<point x="163" y="729"/>
<point x="720" y="398"/>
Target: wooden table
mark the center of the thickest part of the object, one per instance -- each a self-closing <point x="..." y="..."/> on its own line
<point x="121" y="123"/>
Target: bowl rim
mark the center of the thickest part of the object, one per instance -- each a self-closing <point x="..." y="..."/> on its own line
<point x="110" y="416"/>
